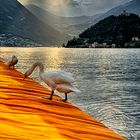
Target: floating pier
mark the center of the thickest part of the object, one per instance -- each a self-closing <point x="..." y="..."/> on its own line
<point x="25" y="115"/>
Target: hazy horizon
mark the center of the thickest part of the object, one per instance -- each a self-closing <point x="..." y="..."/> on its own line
<point x="75" y="7"/>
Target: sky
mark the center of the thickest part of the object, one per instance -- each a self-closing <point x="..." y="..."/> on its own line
<point x="75" y="7"/>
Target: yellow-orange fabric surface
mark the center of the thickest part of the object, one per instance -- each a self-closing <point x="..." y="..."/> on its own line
<point x="25" y="115"/>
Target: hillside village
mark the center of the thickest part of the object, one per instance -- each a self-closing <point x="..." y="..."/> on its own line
<point x="16" y="41"/>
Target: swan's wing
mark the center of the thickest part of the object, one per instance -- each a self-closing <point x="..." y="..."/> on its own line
<point x="67" y="88"/>
<point x="60" y="77"/>
<point x="66" y="73"/>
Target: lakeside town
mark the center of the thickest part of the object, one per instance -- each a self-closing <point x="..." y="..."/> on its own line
<point x="9" y="40"/>
<point x="134" y="43"/>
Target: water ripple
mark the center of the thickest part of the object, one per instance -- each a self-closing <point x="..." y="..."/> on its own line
<point x="109" y="80"/>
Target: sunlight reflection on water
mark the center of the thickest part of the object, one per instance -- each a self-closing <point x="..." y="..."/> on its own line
<point x="109" y="80"/>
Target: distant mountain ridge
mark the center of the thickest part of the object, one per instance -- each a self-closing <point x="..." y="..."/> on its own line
<point x="113" y="29"/>
<point x="17" y="20"/>
<point x="68" y="24"/>
<point x="131" y="7"/>
<point x="50" y="18"/>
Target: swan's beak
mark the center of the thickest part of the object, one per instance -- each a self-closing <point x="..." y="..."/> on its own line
<point x="25" y="76"/>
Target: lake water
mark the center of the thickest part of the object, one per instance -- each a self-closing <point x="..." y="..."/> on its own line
<point x="109" y="80"/>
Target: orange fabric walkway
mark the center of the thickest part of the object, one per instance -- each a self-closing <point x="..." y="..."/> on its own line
<point x="25" y="115"/>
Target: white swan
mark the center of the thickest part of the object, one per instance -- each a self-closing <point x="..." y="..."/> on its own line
<point x="57" y="80"/>
<point x="12" y="62"/>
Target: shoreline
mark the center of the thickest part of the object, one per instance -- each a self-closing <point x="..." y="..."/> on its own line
<point x="66" y="47"/>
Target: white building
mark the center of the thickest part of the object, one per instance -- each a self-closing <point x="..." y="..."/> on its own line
<point x="135" y="39"/>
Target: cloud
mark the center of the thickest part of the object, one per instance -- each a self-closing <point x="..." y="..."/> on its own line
<point x="72" y="3"/>
<point x="52" y="3"/>
<point x="77" y="7"/>
<point x="103" y="3"/>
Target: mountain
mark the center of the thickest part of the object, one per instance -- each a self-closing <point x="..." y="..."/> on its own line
<point x="17" y="20"/>
<point x="113" y="29"/>
<point x="131" y="7"/>
<point x="76" y="25"/>
<point x="60" y="23"/>
<point x="76" y="29"/>
<point x="17" y="41"/>
<point x="50" y="18"/>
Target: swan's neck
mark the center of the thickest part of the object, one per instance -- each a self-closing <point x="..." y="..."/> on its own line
<point x="40" y="65"/>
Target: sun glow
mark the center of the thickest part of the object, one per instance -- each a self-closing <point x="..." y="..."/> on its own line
<point x="55" y="59"/>
<point x="58" y="7"/>
<point x="56" y="2"/>
<point x="48" y="2"/>
<point x="24" y="2"/>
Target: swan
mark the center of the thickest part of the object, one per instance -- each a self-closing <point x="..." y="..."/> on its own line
<point x="61" y="81"/>
<point x="12" y="62"/>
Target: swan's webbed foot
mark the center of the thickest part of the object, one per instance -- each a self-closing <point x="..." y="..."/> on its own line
<point x="50" y="98"/>
<point x="66" y="98"/>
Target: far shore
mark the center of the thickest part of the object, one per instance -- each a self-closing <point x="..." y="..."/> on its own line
<point x="69" y="47"/>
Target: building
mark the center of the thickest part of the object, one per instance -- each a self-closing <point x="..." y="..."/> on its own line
<point x="125" y="13"/>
